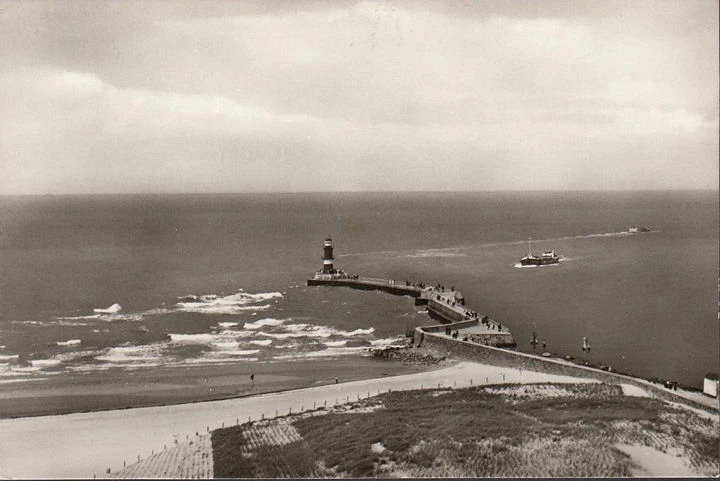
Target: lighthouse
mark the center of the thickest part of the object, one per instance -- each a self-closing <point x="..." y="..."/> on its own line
<point x="328" y="258"/>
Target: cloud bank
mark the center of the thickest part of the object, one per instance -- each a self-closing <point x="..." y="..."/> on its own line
<point x="171" y="97"/>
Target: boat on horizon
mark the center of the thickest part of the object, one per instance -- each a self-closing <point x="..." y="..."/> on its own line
<point x="546" y="258"/>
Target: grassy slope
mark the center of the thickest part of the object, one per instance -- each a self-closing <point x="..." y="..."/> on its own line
<point x="469" y="432"/>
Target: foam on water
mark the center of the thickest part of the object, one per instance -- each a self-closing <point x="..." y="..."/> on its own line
<point x="227" y="341"/>
<point x="387" y="342"/>
<point x="329" y="352"/>
<point x="109" y="310"/>
<point x="226" y="346"/>
<point x="109" y="317"/>
<point x="356" y="332"/>
<point x="227" y="324"/>
<point x="262" y="323"/>
<point x="193" y="338"/>
<point x="121" y="355"/>
<point x="232" y="304"/>
<point x="218" y="360"/>
<point x="242" y="352"/>
<point x="41" y="363"/>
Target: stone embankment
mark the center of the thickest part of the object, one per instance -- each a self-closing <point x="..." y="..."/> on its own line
<point x="435" y="340"/>
<point x="405" y="354"/>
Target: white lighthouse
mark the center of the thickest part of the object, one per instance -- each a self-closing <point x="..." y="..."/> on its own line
<point x="328" y="259"/>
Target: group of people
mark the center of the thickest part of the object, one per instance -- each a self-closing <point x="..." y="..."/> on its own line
<point x="447" y="301"/>
<point x="341" y="275"/>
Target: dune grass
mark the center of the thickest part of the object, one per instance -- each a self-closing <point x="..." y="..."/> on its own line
<point x="466" y="432"/>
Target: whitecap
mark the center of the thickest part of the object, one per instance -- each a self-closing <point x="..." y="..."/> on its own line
<point x="206" y="360"/>
<point x="5" y="381"/>
<point x="8" y="357"/>
<point x="386" y="342"/>
<point x="121" y="317"/>
<point x="115" y="308"/>
<point x="71" y="342"/>
<point x="265" y="342"/>
<point x="356" y="332"/>
<point x="312" y="331"/>
<point x="262" y="323"/>
<point x="227" y="324"/>
<point x="236" y="334"/>
<point x="77" y="318"/>
<point x="131" y="354"/>
<point x="89" y="368"/>
<point x="63" y="322"/>
<point x="193" y="338"/>
<point x="241" y="352"/>
<point x="19" y="370"/>
<point x="232" y="304"/>
<point x="335" y="343"/>
<point x="335" y="351"/>
<point x="41" y="363"/>
<point x="226" y="346"/>
<point x="329" y="352"/>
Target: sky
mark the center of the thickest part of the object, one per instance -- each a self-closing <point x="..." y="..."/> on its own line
<point x="230" y="96"/>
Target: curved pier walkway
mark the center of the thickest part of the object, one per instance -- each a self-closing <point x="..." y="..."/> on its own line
<point x="446" y="305"/>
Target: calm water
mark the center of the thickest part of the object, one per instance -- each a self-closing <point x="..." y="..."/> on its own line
<point x="647" y="302"/>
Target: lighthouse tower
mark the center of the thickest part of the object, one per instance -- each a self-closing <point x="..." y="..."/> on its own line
<point x="328" y="258"/>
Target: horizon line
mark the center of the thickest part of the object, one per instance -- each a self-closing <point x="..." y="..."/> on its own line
<point x="315" y="192"/>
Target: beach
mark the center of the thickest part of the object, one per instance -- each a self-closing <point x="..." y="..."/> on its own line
<point x="122" y="389"/>
<point x="83" y="445"/>
<point x="87" y="444"/>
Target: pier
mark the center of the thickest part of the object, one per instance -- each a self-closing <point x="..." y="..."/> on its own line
<point x="422" y="295"/>
<point x="443" y="304"/>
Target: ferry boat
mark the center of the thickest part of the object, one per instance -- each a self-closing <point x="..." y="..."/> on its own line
<point x="546" y="258"/>
<point x="635" y="229"/>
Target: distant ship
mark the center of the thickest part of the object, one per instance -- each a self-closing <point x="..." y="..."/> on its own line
<point x="546" y="258"/>
<point x="635" y="230"/>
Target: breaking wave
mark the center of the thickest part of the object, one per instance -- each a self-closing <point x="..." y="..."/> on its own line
<point x="227" y="324"/>
<point x="232" y="304"/>
<point x="262" y="323"/>
<point x="132" y="354"/>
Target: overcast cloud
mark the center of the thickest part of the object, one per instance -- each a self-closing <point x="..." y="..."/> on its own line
<point x="229" y="96"/>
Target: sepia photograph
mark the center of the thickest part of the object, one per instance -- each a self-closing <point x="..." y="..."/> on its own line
<point x="359" y="239"/>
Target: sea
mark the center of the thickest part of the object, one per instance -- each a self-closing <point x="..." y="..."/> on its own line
<point x="136" y="282"/>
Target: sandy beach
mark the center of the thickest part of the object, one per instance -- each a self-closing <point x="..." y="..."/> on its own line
<point x="100" y="391"/>
<point x="81" y="445"/>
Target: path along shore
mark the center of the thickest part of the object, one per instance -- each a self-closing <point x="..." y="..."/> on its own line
<point x="85" y="444"/>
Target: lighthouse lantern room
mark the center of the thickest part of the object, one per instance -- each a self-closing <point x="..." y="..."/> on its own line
<point x="328" y="259"/>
